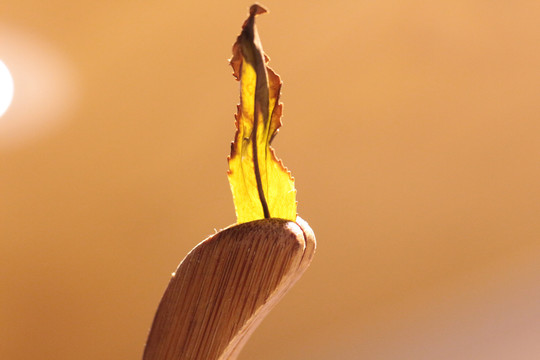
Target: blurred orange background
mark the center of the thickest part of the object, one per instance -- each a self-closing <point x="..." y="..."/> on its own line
<point x="412" y="129"/>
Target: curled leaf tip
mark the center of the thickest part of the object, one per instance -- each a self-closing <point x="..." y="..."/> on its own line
<point x="261" y="185"/>
<point x="257" y="9"/>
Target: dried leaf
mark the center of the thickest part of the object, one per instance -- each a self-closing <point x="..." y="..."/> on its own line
<point x="261" y="185"/>
<point x="225" y="287"/>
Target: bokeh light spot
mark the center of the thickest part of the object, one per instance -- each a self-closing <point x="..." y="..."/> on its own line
<point x="6" y="88"/>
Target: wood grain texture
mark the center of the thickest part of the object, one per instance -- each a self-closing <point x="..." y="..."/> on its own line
<point x="224" y="288"/>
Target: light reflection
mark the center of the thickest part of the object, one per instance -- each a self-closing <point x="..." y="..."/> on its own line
<point x="6" y="88"/>
<point x="45" y="83"/>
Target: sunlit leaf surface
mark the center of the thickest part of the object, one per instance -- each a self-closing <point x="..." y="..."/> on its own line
<point x="261" y="185"/>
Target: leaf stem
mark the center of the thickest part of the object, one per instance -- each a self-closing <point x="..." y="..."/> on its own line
<point x="256" y="165"/>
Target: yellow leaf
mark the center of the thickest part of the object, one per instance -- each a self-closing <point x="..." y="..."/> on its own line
<point x="262" y="186"/>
